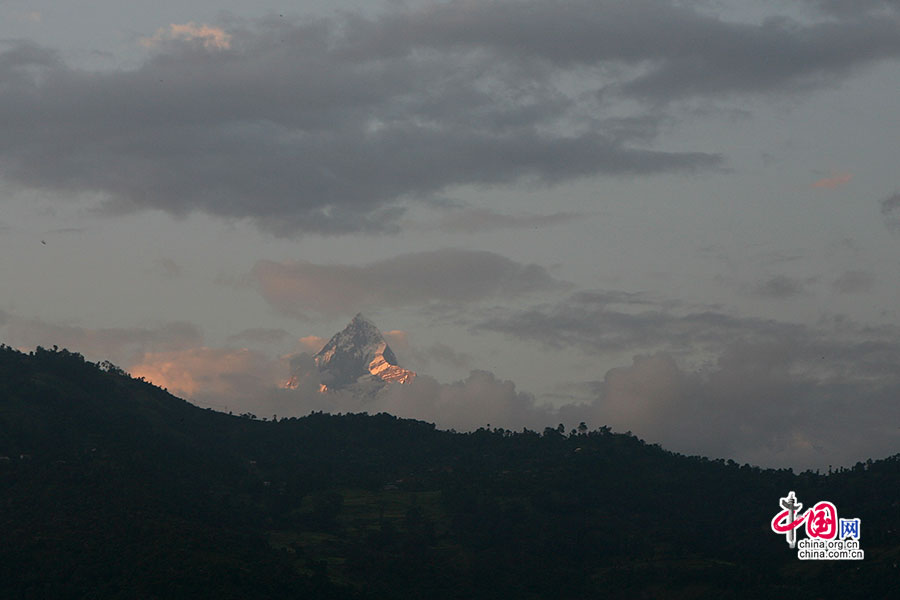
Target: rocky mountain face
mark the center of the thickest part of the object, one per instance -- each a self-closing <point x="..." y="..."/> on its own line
<point x="358" y="356"/>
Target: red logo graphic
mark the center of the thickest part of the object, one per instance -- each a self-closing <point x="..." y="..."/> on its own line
<point x="827" y="536"/>
<point x="821" y="521"/>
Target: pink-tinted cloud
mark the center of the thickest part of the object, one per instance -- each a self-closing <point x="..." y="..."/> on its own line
<point x="213" y="38"/>
<point x="119" y="345"/>
<point x="398" y="340"/>
<point x="835" y="181"/>
<point x="210" y="372"/>
<point x="312" y="343"/>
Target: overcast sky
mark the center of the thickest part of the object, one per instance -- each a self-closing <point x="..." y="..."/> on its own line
<point x="675" y="217"/>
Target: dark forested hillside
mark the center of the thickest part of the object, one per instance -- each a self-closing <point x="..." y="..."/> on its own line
<point x="112" y="488"/>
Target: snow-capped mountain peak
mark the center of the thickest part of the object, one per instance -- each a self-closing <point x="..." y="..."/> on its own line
<point x="358" y="354"/>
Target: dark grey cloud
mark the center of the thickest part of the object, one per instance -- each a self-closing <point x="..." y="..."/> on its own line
<point x="856" y="7"/>
<point x="336" y="125"/>
<point x="449" y="276"/>
<point x="778" y="55"/>
<point x="291" y="127"/>
<point x="602" y="322"/>
<point x="890" y="210"/>
<point x="168" y="268"/>
<point x="687" y="52"/>
<point x="780" y="286"/>
<point x="854" y="282"/>
<point x="606" y="322"/>
<point x="474" y="220"/>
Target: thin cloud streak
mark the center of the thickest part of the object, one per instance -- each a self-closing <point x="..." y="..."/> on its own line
<point x="477" y="220"/>
<point x="834" y="181"/>
<point x="449" y="276"/>
<point x="780" y="287"/>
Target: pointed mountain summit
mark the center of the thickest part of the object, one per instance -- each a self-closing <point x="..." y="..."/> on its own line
<point x="358" y="354"/>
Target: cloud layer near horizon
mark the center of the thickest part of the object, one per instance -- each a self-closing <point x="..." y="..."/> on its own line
<point x="767" y="393"/>
<point x="335" y="125"/>
<point x="451" y="120"/>
<point x="750" y="405"/>
<point x="705" y="381"/>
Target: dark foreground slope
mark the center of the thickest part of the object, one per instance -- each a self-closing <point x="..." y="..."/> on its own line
<point x="112" y="488"/>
